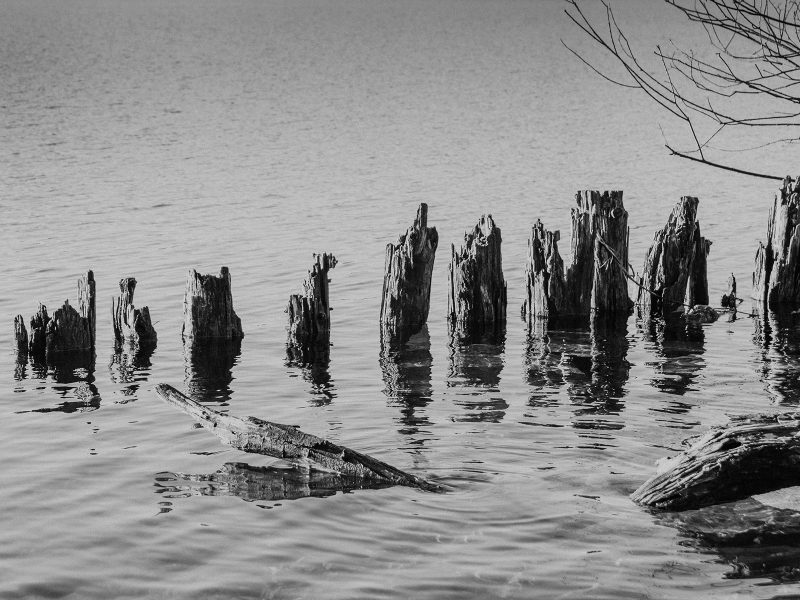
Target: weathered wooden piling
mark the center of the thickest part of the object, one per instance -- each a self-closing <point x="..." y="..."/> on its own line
<point x="20" y="335"/>
<point x="697" y="288"/>
<point x="208" y="307"/>
<point x="476" y="300"/>
<point x="752" y="455"/>
<point x="407" y="281"/>
<point x="670" y="263"/>
<point x="776" y="278"/>
<point x="309" y="332"/>
<point x="67" y="330"/>
<point x="131" y="325"/>
<point x="594" y="284"/>
<point x="729" y="299"/>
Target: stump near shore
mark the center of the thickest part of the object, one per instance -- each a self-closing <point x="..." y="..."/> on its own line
<point x="309" y="334"/>
<point x="208" y="307"/>
<point x="131" y="325"/>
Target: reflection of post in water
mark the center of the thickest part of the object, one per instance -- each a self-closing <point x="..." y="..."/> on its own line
<point x="407" y="376"/>
<point x="778" y="336"/>
<point x="315" y="373"/>
<point x="209" y="365"/>
<point x="74" y="376"/>
<point x="130" y="365"/>
<point x="475" y="377"/>
<point x="260" y="483"/>
<point x="678" y="357"/>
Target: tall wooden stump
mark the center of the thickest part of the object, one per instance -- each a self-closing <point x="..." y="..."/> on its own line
<point x="131" y="325"/>
<point x="776" y="279"/>
<point x="67" y="330"/>
<point x="309" y="334"/>
<point x="407" y="281"/>
<point x="729" y="299"/>
<point x="476" y="301"/>
<point x="697" y="288"/>
<point x="20" y="335"/>
<point x="208" y="307"/>
<point x="595" y="283"/>
<point x="670" y="262"/>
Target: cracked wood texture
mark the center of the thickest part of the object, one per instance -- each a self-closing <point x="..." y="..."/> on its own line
<point x="406" y="295"/>
<point x="476" y="300"/>
<point x="670" y="263"/>
<point x="544" y="277"/>
<point x="250" y="434"/>
<point x="309" y="334"/>
<point x="131" y="325"/>
<point x="753" y="454"/>
<point x="208" y="307"/>
<point x="776" y="278"/>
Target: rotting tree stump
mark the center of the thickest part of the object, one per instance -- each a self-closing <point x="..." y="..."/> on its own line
<point x="595" y="283"/>
<point x="20" y="335"/>
<point x="477" y="297"/>
<point x="208" y="307"/>
<point x="67" y="330"/>
<point x="670" y="263"/>
<point x="309" y="333"/>
<point x="729" y="299"/>
<point x="405" y="302"/>
<point x="776" y="278"/>
<point x="751" y="455"/>
<point x="131" y="325"/>
<point x="697" y="287"/>
<point x="250" y="434"/>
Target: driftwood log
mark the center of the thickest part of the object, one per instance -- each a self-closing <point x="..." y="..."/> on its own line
<point x="595" y="283"/>
<point x="752" y="455"/>
<point x="67" y="330"/>
<point x="309" y="334"/>
<point x="406" y="295"/>
<point x="250" y="434"/>
<point x="776" y="278"/>
<point x="476" y="299"/>
<point x="208" y="307"/>
<point x="131" y="325"/>
<point x="671" y="262"/>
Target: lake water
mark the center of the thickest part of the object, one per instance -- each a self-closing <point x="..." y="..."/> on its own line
<point x="142" y="138"/>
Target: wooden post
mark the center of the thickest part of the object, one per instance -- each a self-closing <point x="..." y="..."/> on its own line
<point x="208" y="307"/>
<point x="544" y="276"/>
<point x="476" y="301"/>
<point x="20" y="335"/>
<point x="131" y="325"/>
<point x="752" y="455"/>
<point x="407" y="281"/>
<point x="776" y="279"/>
<point x="37" y="342"/>
<point x="309" y="332"/>
<point x="729" y="299"/>
<point x="697" y="289"/>
<point x="670" y="261"/>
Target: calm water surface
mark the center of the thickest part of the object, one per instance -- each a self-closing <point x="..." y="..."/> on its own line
<point x="142" y="138"/>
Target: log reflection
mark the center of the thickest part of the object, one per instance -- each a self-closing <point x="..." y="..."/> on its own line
<point x="260" y="483"/>
<point x="474" y="376"/>
<point x="778" y="336"/>
<point x="130" y="367"/>
<point x="209" y="368"/>
<point x="407" y="376"/>
<point x="755" y="539"/>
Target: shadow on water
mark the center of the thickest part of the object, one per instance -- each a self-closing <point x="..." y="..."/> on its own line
<point x="258" y="484"/>
<point x="677" y="362"/>
<point x="314" y="369"/>
<point x="72" y="375"/>
<point x="130" y="366"/>
<point x="407" y="377"/>
<point x="474" y="374"/>
<point x="209" y="368"/>
<point x="590" y="364"/>
<point x="778" y="336"/>
<point x="757" y="540"/>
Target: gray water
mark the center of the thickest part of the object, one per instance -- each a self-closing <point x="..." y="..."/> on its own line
<point x="143" y="138"/>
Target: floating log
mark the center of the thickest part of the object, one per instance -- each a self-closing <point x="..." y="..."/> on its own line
<point x="131" y="325"/>
<point x="776" y="278"/>
<point x="544" y="275"/>
<point x="67" y="330"/>
<point x="729" y="299"/>
<point x="407" y="281"/>
<point x="476" y="300"/>
<point x="595" y="283"/>
<point x="309" y="334"/>
<point x="670" y="263"/>
<point x="751" y="455"/>
<point x="250" y="434"/>
<point x="208" y="307"/>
